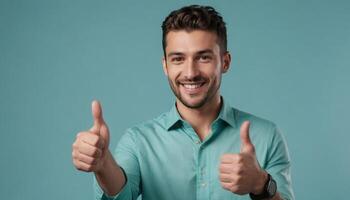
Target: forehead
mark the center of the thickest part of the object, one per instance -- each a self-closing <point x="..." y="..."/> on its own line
<point x="191" y="41"/>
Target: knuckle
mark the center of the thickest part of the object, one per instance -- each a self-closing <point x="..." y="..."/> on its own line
<point x="91" y="161"/>
<point x="240" y="170"/>
<point x="239" y="179"/>
<point x="232" y="186"/>
<point x="225" y="186"/>
<point x="90" y="168"/>
<point x="77" y="165"/>
<point x="95" y="152"/>
<point x="74" y="155"/>
<point x="239" y="158"/>
<point x="234" y="181"/>
<point x="79" y="135"/>
<point x="75" y="145"/>
<point x="235" y="188"/>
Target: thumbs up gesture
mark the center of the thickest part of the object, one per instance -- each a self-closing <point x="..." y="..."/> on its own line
<point x="90" y="147"/>
<point x="241" y="173"/>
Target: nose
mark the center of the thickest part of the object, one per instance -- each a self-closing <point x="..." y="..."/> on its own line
<point x="191" y="70"/>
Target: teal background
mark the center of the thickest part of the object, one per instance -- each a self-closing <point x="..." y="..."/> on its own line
<point x="290" y="65"/>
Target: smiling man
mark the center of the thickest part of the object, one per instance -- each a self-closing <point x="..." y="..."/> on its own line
<point x="202" y="148"/>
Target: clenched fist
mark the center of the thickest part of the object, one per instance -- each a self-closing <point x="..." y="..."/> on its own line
<point x="90" y="148"/>
<point x="241" y="173"/>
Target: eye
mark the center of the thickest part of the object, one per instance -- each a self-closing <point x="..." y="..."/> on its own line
<point x="205" y="58"/>
<point x="177" y="59"/>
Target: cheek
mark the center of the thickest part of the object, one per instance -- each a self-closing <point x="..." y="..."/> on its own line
<point x="173" y="74"/>
<point x="214" y="74"/>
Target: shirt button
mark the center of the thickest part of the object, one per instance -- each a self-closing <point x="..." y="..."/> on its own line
<point x="203" y="184"/>
<point x="198" y="142"/>
<point x="203" y="171"/>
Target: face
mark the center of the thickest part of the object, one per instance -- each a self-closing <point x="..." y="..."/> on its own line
<point x="194" y="66"/>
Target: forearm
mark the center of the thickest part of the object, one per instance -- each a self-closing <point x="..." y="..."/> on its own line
<point x="111" y="177"/>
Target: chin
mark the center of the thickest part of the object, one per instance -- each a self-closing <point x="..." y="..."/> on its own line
<point x="193" y="103"/>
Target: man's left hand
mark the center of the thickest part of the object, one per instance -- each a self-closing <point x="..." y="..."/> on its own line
<point x="241" y="173"/>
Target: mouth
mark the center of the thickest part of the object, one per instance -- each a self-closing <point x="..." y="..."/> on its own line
<point x="193" y="87"/>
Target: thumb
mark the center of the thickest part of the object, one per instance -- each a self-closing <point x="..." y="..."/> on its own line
<point x="246" y="144"/>
<point x="104" y="132"/>
<point x="97" y="116"/>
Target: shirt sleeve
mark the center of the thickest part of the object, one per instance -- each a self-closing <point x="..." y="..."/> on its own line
<point x="279" y="165"/>
<point x="125" y="155"/>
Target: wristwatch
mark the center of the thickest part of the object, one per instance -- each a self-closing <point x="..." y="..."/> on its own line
<point x="269" y="191"/>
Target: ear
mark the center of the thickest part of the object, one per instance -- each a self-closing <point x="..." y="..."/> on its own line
<point x="226" y="61"/>
<point x="165" y="69"/>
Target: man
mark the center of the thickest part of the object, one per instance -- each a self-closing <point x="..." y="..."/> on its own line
<point x="202" y="148"/>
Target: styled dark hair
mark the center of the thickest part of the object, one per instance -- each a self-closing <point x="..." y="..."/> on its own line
<point x="196" y="17"/>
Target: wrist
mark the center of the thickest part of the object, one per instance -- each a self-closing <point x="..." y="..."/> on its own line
<point x="110" y="176"/>
<point x="104" y="162"/>
<point x="269" y="190"/>
<point x="260" y="184"/>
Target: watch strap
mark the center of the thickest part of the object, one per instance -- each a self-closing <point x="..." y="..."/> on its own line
<point x="266" y="194"/>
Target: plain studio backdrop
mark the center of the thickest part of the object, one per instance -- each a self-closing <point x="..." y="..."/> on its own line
<point x="290" y="64"/>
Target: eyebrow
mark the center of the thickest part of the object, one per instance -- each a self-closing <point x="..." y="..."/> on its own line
<point x="197" y="53"/>
<point x="205" y="51"/>
<point x="175" y="54"/>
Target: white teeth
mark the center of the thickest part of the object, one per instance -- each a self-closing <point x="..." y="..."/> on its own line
<point x="191" y="86"/>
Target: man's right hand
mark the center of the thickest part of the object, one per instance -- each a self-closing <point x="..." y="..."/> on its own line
<point x="90" y="149"/>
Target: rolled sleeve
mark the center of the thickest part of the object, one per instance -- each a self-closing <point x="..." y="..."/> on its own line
<point x="125" y="155"/>
<point x="279" y="165"/>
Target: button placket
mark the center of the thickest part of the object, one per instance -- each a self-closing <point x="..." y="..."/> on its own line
<point x="202" y="179"/>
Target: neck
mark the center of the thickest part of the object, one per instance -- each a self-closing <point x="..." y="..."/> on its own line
<point x="201" y="118"/>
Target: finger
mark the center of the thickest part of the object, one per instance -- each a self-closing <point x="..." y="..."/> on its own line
<point x="97" y="116"/>
<point x="246" y="144"/>
<point x="226" y="168"/>
<point x="86" y="159"/>
<point x="93" y="140"/>
<point x="83" y="166"/>
<point x="226" y="178"/>
<point x="104" y="132"/>
<point x="89" y="150"/>
<point x="227" y="186"/>
<point x="228" y="158"/>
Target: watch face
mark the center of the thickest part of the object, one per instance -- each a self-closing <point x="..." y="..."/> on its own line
<point x="271" y="188"/>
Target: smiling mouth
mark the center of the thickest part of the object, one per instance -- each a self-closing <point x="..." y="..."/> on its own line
<point x="193" y="87"/>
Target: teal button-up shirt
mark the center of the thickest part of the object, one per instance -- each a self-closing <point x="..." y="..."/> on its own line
<point x="164" y="159"/>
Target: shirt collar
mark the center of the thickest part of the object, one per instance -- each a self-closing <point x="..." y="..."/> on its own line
<point x="226" y="114"/>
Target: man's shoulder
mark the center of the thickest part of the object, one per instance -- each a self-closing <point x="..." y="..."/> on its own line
<point x="151" y="125"/>
<point x="256" y="121"/>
